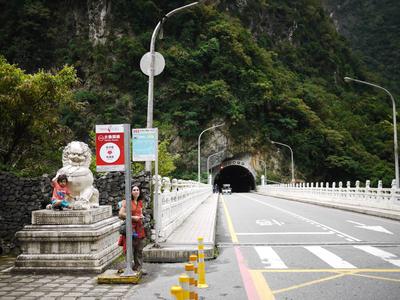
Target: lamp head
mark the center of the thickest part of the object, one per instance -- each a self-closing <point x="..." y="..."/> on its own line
<point x="347" y="79"/>
<point x="272" y="142"/>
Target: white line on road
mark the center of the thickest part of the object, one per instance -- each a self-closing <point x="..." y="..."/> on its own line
<point x="351" y="239"/>
<point x="331" y="259"/>
<point x="270" y="258"/>
<point x="284" y="233"/>
<point x="386" y="256"/>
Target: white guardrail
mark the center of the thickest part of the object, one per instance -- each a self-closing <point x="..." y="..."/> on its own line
<point x="379" y="197"/>
<point x="177" y="200"/>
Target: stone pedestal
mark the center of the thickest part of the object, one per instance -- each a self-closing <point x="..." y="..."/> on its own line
<point x="69" y="241"/>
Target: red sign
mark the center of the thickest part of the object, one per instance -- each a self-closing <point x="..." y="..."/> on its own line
<point x="110" y="148"/>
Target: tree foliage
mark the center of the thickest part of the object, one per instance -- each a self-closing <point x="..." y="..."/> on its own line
<point x="268" y="69"/>
<point x="30" y="116"/>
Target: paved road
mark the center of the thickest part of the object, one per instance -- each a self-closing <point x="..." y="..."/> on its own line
<point x="269" y="249"/>
<point x="294" y="250"/>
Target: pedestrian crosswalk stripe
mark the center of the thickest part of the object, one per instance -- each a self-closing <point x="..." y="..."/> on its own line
<point x="386" y="256"/>
<point x="330" y="258"/>
<point x="270" y="258"/>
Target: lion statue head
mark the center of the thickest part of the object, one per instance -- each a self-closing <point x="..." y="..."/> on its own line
<point x="76" y="154"/>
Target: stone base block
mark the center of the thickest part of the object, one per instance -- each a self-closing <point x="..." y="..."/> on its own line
<point x="54" y="248"/>
<point x="71" y="217"/>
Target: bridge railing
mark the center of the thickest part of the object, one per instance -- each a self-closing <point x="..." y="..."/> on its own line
<point x="379" y="197"/>
<point x="177" y="200"/>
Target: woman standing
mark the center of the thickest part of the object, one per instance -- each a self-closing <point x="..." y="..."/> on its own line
<point x="137" y="227"/>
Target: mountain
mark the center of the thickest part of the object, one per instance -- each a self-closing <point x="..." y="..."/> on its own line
<point x="271" y="70"/>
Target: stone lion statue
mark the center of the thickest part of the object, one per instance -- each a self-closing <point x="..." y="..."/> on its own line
<point x="76" y="160"/>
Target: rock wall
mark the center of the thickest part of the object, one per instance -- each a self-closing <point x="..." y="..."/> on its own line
<point x="20" y="196"/>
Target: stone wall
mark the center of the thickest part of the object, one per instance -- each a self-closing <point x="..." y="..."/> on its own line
<point x="20" y="196"/>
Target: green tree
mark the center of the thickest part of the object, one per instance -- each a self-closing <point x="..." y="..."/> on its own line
<point x="31" y="132"/>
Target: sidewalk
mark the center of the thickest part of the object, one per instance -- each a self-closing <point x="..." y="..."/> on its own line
<point x="183" y="242"/>
<point x="178" y="247"/>
<point x="378" y="212"/>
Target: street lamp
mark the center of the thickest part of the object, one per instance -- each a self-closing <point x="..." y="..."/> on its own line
<point x="198" y="148"/>
<point x="396" y="157"/>
<point x="152" y="67"/>
<point x="208" y="161"/>
<point x="291" y="152"/>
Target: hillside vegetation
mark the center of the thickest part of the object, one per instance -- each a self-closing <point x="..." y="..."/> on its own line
<point x="271" y="70"/>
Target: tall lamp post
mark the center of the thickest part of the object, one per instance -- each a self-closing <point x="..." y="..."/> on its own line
<point x="152" y="67"/>
<point x="198" y="149"/>
<point x="208" y="160"/>
<point x="396" y="157"/>
<point x="291" y="152"/>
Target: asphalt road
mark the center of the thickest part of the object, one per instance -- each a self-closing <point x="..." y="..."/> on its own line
<point x="292" y="250"/>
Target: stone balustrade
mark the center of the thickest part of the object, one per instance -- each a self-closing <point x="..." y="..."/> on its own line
<point x="177" y="200"/>
<point x="367" y="196"/>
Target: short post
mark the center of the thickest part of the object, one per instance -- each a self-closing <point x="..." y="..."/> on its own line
<point x="201" y="265"/>
<point x="184" y="284"/>
<point x="189" y="269"/>
<point x="379" y="189"/>
<point x="193" y="260"/>
<point x="177" y="292"/>
<point x="262" y="180"/>
<point x="393" y="191"/>
<point x="348" y="189"/>
<point x="367" y="189"/>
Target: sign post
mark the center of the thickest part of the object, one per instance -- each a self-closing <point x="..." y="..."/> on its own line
<point x="145" y="148"/>
<point x="113" y="154"/>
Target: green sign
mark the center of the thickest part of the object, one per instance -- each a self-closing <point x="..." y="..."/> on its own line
<point x="144" y="144"/>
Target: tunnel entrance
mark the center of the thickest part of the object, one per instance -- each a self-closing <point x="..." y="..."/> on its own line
<point x="240" y="179"/>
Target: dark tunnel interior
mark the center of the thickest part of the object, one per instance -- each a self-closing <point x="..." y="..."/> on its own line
<point x="240" y="179"/>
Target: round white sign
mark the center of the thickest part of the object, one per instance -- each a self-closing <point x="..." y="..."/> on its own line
<point x="110" y="152"/>
<point x="159" y="63"/>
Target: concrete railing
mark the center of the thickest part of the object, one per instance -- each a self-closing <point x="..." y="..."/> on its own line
<point x="379" y="197"/>
<point x="177" y="200"/>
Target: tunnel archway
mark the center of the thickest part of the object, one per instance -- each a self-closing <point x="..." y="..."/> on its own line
<point x="240" y="179"/>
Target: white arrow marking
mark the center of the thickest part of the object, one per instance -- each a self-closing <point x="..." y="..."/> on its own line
<point x="373" y="228"/>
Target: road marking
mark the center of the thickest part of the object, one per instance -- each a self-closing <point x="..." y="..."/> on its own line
<point x="277" y="223"/>
<point x="339" y="273"/>
<point x="285" y="233"/>
<point x="229" y="221"/>
<point x="264" y="222"/>
<point x="353" y="239"/>
<point x="373" y="228"/>
<point x="386" y="256"/>
<point x="262" y="287"/>
<point x="270" y="258"/>
<point x="327" y="270"/>
<point x="330" y="258"/>
<point x="249" y="285"/>
<point x="376" y="277"/>
<point x="308" y="283"/>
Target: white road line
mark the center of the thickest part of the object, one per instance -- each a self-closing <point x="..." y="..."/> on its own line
<point x="353" y="239"/>
<point x="284" y="233"/>
<point x="386" y="256"/>
<point x="270" y="258"/>
<point x="331" y="259"/>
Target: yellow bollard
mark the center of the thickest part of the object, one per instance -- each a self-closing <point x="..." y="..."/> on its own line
<point x="193" y="260"/>
<point x="201" y="266"/>
<point x="177" y="292"/>
<point x="189" y="269"/>
<point x="184" y="283"/>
